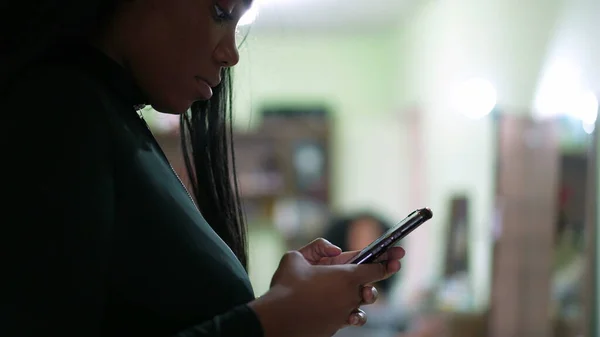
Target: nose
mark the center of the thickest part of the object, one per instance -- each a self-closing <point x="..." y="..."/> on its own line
<point x="226" y="52"/>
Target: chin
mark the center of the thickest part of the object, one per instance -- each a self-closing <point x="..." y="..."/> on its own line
<point x="173" y="108"/>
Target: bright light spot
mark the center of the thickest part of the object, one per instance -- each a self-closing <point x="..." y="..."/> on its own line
<point x="560" y="88"/>
<point x="250" y="16"/>
<point x="586" y="108"/>
<point x="475" y="98"/>
<point x="588" y="128"/>
<point x="163" y="122"/>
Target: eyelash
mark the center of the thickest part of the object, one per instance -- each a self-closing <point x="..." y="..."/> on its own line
<point x="222" y="15"/>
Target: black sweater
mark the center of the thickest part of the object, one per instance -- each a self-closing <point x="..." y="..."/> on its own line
<point x="99" y="237"/>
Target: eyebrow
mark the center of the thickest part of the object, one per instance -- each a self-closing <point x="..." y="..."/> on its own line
<point x="241" y="6"/>
<point x="236" y="5"/>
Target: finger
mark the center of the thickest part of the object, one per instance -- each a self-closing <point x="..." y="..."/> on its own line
<point x="293" y="257"/>
<point x="369" y="295"/>
<point x="341" y="258"/>
<point x="393" y="266"/>
<point x="319" y="249"/>
<point x="373" y="272"/>
<point x="357" y="318"/>
<point x="394" y="253"/>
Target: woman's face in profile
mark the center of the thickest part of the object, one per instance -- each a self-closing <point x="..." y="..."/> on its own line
<point x="176" y="49"/>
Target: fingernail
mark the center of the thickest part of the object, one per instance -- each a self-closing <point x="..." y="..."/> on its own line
<point x="334" y="251"/>
<point x="375" y="292"/>
<point x="354" y="320"/>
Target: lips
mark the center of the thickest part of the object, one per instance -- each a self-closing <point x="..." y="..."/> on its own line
<point x="211" y="83"/>
<point x="204" y="89"/>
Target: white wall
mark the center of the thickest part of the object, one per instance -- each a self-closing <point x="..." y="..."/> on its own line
<point x="575" y="44"/>
<point x="370" y="80"/>
<point x="351" y="75"/>
<point x="444" y="43"/>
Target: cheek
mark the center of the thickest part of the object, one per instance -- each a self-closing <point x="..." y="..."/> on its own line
<point x="191" y="32"/>
<point x="173" y="45"/>
<point x="194" y="42"/>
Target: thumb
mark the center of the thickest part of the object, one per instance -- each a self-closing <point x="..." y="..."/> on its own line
<point x="291" y="262"/>
<point x="291" y="259"/>
<point x="319" y="249"/>
<point x="373" y="272"/>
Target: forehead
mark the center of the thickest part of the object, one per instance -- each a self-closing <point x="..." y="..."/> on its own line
<point x="236" y="5"/>
<point x="243" y="3"/>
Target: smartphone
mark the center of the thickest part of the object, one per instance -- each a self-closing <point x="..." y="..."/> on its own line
<point x="392" y="236"/>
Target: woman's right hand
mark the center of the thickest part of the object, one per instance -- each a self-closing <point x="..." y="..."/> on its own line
<point x="313" y="301"/>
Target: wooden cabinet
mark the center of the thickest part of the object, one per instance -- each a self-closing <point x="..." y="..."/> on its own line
<point x="283" y="170"/>
<point x="523" y="254"/>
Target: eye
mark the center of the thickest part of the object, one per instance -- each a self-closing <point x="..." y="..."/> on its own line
<point x="221" y="14"/>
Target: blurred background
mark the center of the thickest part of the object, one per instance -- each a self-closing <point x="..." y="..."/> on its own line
<point x="350" y="114"/>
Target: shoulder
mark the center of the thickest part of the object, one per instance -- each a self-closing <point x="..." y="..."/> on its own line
<point x="53" y="98"/>
<point x="44" y="86"/>
<point x="54" y="109"/>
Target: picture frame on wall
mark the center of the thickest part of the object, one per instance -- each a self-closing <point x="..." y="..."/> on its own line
<point x="457" y="249"/>
<point x="309" y="157"/>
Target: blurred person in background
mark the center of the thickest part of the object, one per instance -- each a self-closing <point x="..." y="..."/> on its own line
<point x="99" y="235"/>
<point x="355" y="232"/>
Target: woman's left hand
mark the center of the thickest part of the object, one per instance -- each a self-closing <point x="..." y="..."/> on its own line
<point x="323" y="252"/>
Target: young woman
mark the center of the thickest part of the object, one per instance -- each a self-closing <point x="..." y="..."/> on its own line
<point x="99" y="237"/>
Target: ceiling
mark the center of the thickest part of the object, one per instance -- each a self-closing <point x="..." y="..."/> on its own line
<point x="329" y="14"/>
